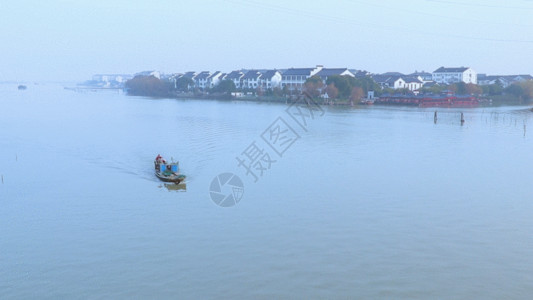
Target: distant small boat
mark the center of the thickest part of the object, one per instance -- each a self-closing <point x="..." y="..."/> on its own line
<point x="22" y="87"/>
<point x="367" y="101"/>
<point x="167" y="172"/>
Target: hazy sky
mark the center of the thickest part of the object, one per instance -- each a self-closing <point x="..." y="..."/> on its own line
<point x="71" y="40"/>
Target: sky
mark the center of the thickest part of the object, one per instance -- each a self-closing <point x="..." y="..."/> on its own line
<point x="68" y="40"/>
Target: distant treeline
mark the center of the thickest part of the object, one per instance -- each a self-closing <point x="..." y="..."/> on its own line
<point x="336" y="89"/>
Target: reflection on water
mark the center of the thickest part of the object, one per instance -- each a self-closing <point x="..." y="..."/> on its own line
<point x="372" y="202"/>
<point x="182" y="186"/>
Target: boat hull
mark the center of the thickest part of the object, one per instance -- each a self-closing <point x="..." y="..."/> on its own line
<point x="171" y="178"/>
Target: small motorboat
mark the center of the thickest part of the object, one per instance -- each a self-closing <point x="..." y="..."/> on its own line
<point x="22" y="87"/>
<point x="167" y="172"/>
<point x="367" y="101"/>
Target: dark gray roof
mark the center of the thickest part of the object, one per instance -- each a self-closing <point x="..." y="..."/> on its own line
<point x="223" y="76"/>
<point x="392" y="79"/>
<point x="330" y="72"/>
<point x="518" y="77"/>
<point x="430" y="84"/>
<point x="362" y="73"/>
<point x="298" y="71"/>
<point x="411" y="79"/>
<point x="252" y="74"/>
<point x="214" y="74"/>
<point x="392" y="74"/>
<point x="384" y="78"/>
<point x="269" y="74"/>
<point x="492" y="77"/>
<point x="203" y="75"/>
<point x="189" y="75"/>
<point x="450" y="70"/>
<point x="234" y="75"/>
<point x="420" y="74"/>
<point x="144" y="73"/>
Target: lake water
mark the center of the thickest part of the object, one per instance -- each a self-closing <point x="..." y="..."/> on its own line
<point x="368" y="202"/>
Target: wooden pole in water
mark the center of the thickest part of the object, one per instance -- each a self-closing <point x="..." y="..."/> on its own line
<point x="2" y="179"/>
<point x="524" y="129"/>
<point x="435" y="117"/>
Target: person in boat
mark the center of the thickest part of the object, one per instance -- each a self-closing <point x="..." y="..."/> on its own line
<point x="168" y="171"/>
<point x="159" y="159"/>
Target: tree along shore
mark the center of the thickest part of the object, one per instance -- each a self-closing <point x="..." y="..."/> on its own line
<point x="337" y="90"/>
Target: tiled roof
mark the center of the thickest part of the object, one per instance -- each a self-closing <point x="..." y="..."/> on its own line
<point x="392" y="79"/>
<point x="330" y="72"/>
<point x="269" y="74"/>
<point x="235" y="75"/>
<point x="189" y="75"/>
<point x="392" y="74"/>
<point x="450" y="70"/>
<point x="217" y="73"/>
<point x="203" y="75"/>
<point x="299" y="71"/>
<point x="411" y="79"/>
<point x="420" y="74"/>
<point x="252" y="74"/>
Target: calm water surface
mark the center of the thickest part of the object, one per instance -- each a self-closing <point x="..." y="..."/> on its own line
<point x="372" y="202"/>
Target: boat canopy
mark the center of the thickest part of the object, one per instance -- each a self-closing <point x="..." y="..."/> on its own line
<point x="174" y="167"/>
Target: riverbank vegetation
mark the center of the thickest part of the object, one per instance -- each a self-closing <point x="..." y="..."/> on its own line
<point x="334" y="90"/>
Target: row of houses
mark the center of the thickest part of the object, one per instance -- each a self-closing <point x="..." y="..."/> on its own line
<point x="445" y="76"/>
<point x="416" y="80"/>
<point x="243" y="79"/>
<point x="503" y="80"/>
<point x="292" y="78"/>
<point x="295" y="78"/>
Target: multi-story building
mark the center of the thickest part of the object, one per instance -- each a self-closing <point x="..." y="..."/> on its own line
<point x="453" y="75"/>
<point x="214" y="79"/>
<point x="294" y="78"/>
<point x="236" y="77"/>
<point x="250" y="80"/>
<point x="201" y="80"/>
<point x="270" y="79"/>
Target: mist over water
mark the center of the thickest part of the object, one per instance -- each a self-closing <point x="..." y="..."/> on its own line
<point x="373" y="202"/>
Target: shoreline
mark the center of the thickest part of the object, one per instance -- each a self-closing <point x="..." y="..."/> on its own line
<point x="343" y="103"/>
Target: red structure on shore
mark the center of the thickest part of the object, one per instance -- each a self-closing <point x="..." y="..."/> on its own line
<point x="445" y="100"/>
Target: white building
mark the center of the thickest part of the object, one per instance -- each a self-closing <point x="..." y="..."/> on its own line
<point x="214" y="79"/>
<point x="270" y="79"/>
<point x="236" y="77"/>
<point x="201" y="80"/>
<point x="250" y="80"/>
<point x="121" y="78"/>
<point x="105" y="78"/>
<point x="294" y="78"/>
<point x="453" y="75"/>
<point x="412" y="83"/>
